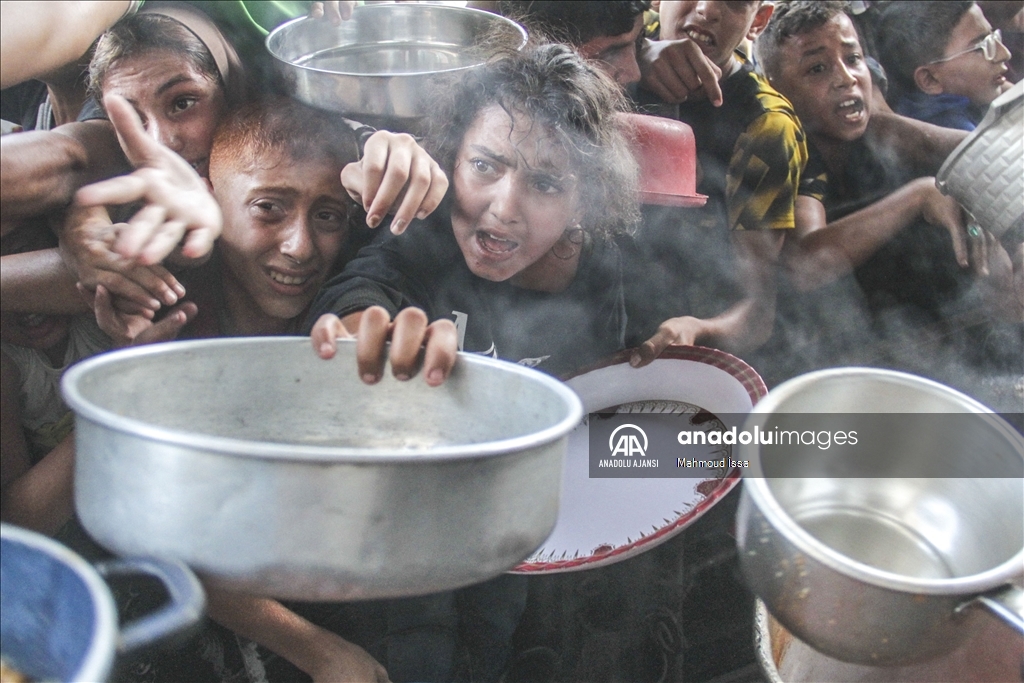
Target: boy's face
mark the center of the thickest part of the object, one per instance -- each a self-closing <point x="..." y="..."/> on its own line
<point x="971" y="75"/>
<point x="718" y="27"/>
<point x="824" y="75"/>
<point x="285" y="222"/>
<point x="616" y="55"/>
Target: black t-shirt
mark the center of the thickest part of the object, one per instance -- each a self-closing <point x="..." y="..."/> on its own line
<point x="554" y="332"/>
<point x="916" y="270"/>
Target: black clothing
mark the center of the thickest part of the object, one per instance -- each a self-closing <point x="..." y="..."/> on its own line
<point x="601" y="312"/>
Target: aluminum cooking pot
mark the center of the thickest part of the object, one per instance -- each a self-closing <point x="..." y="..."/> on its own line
<point x="269" y="470"/>
<point x="872" y="553"/>
<point x="384" y="61"/>
<point x="57" y="619"/>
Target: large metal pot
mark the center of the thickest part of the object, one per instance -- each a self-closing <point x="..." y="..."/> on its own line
<point x="871" y="554"/>
<point x="384" y="61"/>
<point x="270" y="470"/>
<point x="57" y="616"/>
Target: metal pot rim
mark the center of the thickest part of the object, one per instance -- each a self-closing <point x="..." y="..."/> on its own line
<point x="757" y="488"/>
<point x="100" y="656"/>
<point x="308" y="453"/>
<point x="279" y="34"/>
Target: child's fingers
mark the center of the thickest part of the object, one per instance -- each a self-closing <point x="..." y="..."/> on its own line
<point x="436" y="193"/>
<point x="372" y="167"/>
<point x="393" y="183"/>
<point x="132" y="236"/>
<point x="325" y="333"/>
<point x="120" y="190"/>
<point x="406" y="342"/>
<point x="415" y="191"/>
<point x="136" y="143"/>
<point x="123" y="287"/>
<point x="374" y="328"/>
<point x="168" y="328"/>
<point x="162" y="242"/>
<point x="442" y="350"/>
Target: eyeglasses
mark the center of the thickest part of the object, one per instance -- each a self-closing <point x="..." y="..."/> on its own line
<point x="989" y="46"/>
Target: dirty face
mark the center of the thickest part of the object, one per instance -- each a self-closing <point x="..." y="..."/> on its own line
<point x="179" y="105"/>
<point x="824" y="75"/>
<point x="515" y="196"/>
<point x="285" y="222"/>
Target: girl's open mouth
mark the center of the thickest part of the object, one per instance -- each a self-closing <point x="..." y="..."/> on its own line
<point x="493" y="244"/>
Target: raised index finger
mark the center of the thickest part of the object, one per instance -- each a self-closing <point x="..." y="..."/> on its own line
<point x="136" y="143"/>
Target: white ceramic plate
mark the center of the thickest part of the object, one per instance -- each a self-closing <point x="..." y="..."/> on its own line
<point x="603" y="521"/>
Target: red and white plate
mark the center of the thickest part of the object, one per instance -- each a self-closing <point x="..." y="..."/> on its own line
<point x="603" y="521"/>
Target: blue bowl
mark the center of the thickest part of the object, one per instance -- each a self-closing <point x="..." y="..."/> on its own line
<point x="57" y="617"/>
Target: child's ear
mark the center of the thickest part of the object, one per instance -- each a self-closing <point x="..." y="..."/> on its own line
<point x="926" y="81"/>
<point x="764" y="13"/>
<point x="209" y="185"/>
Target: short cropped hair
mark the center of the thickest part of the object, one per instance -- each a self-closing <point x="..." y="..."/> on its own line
<point x="793" y="19"/>
<point x="143" y="33"/>
<point x="578" y="22"/>
<point x="272" y="128"/>
<point x="912" y="34"/>
<point x="553" y="86"/>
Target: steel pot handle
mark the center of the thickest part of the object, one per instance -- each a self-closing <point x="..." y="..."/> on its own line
<point x="1007" y="603"/>
<point x="185" y="605"/>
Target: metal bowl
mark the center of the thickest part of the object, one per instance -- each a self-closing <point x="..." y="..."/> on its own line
<point x="384" y="61"/>
<point x="269" y="470"/>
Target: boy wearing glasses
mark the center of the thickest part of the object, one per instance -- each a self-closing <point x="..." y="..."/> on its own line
<point x="945" y="62"/>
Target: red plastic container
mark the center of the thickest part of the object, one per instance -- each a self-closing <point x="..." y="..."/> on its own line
<point x="667" y="155"/>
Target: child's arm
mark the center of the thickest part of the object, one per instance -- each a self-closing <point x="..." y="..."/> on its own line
<point x="40" y="170"/>
<point x="922" y="145"/>
<point x="746" y="324"/>
<point x="36" y="497"/>
<point x="324" y="656"/>
<point x="821" y="253"/>
<point x="38" y="282"/>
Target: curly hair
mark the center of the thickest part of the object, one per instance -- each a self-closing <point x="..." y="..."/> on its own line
<point x="553" y="86"/>
<point x="577" y="22"/>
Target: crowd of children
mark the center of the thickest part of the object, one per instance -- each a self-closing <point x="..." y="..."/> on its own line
<point x="175" y="191"/>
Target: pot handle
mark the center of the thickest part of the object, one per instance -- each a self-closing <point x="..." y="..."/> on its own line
<point x="185" y="605"/>
<point x="1007" y="603"/>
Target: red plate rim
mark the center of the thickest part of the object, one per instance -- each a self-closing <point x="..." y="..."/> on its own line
<point x="755" y="388"/>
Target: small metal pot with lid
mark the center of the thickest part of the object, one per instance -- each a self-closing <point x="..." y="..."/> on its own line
<point x="875" y="554"/>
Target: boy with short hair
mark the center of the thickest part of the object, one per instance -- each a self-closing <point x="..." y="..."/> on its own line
<point x="865" y="210"/>
<point x="275" y="169"/>
<point x="945" y="62"/>
<point x="751" y="150"/>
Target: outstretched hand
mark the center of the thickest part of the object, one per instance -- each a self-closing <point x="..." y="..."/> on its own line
<point x="408" y="334"/>
<point x="682" y="331"/>
<point x="395" y="170"/>
<point x="133" y="329"/>
<point x="177" y="202"/>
